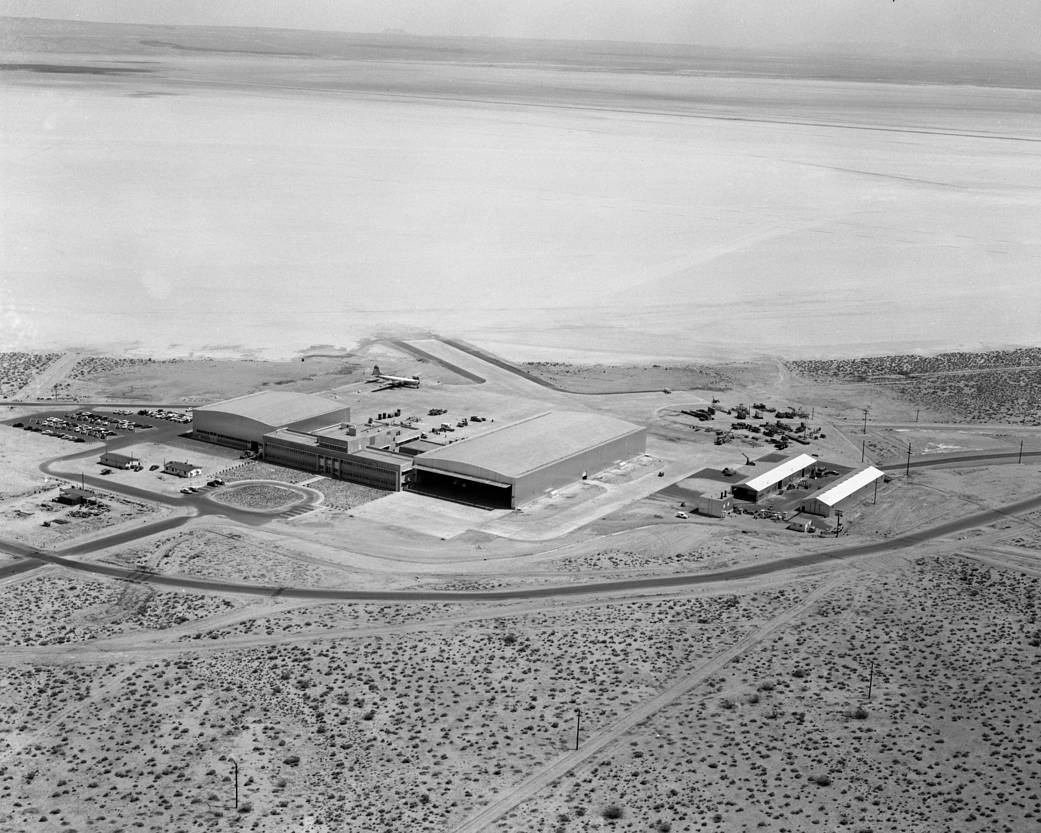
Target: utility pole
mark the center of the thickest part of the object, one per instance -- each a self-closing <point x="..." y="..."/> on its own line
<point x="875" y="500"/>
<point x="578" y="725"/>
<point x="863" y="443"/>
<point x="1020" y="451"/>
<point x="871" y="679"/>
<point x="916" y="412"/>
<point x="235" y="764"/>
<point x="865" y="419"/>
<point x="907" y="473"/>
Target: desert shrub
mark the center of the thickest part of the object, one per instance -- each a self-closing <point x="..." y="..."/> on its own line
<point x="612" y="812"/>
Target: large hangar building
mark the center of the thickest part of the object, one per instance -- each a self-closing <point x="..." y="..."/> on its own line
<point x="243" y="421"/>
<point x="509" y="466"/>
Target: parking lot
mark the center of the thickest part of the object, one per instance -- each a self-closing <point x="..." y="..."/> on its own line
<point x="81" y="426"/>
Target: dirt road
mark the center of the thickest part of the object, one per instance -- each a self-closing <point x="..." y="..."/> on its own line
<point x="978" y="519"/>
<point x="551" y="772"/>
<point x="43" y="384"/>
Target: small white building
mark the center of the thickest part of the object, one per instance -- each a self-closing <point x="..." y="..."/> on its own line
<point x="181" y="469"/>
<point x="835" y="495"/>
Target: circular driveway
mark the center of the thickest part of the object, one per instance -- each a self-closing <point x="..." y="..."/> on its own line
<point x="264" y="497"/>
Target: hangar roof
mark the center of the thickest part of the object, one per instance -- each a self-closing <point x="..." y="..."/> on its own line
<point x="785" y="468"/>
<point x="275" y="407"/>
<point x="847" y="485"/>
<point x="522" y="447"/>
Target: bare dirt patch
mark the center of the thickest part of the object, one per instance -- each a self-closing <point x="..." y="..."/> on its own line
<point x="931" y="496"/>
<point x="232" y="554"/>
<point x="21" y="453"/>
<point x="201" y="380"/>
<point x="622" y="378"/>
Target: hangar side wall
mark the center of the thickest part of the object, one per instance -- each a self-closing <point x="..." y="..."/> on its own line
<point x="570" y="469"/>
<point x="237" y="431"/>
<point x="228" y="429"/>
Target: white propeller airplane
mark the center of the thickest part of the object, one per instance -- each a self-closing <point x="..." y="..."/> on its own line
<point x="394" y="381"/>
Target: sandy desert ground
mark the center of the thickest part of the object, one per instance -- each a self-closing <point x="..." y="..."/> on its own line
<point x="788" y="739"/>
<point x="725" y="706"/>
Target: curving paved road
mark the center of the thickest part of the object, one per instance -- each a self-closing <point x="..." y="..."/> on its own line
<point x="977" y="519"/>
<point x="983" y="458"/>
<point x="200" y="505"/>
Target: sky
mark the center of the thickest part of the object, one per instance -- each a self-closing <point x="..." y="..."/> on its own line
<point x="926" y="27"/>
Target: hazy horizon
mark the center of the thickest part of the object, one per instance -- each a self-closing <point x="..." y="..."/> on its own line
<point x="922" y="27"/>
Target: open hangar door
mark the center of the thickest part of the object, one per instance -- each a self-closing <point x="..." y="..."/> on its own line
<point x="460" y="489"/>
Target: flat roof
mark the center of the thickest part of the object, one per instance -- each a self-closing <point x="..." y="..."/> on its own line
<point x="522" y="447"/>
<point x="421" y="445"/>
<point x="337" y="431"/>
<point x="402" y="460"/>
<point x="786" y="468"/>
<point x="847" y="485"/>
<point x="276" y="407"/>
<point x="296" y="437"/>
